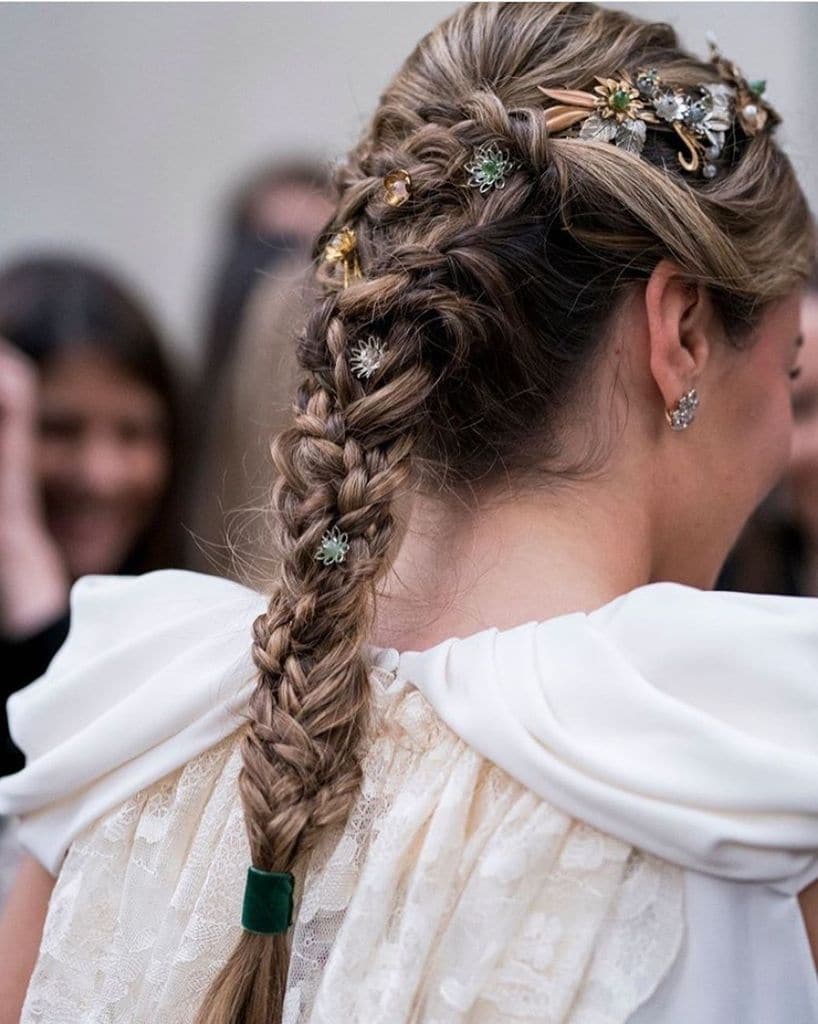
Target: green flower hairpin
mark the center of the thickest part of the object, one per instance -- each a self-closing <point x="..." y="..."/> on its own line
<point x="333" y="547"/>
<point x="489" y="167"/>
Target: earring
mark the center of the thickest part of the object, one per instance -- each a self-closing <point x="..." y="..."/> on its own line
<point x="685" y="412"/>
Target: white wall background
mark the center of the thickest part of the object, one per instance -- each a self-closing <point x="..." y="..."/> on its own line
<point x="123" y="125"/>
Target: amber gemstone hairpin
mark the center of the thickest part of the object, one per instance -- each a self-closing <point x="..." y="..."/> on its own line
<point x="397" y="187"/>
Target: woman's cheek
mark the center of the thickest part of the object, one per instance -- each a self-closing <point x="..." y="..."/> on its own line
<point x="149" y="473"/>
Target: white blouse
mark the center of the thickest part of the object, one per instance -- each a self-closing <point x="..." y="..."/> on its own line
<point x="598" y="818"/>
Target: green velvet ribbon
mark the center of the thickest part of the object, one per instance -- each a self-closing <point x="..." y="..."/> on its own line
<point x="268" y="901"/>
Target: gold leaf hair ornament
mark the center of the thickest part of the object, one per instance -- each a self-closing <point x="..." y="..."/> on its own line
<point x="343" y="248"/>
<point x="397" y="187"/>
<point x="613" y="112"/>
<point x="621" y="109"/>
<point x="489" y="167"/>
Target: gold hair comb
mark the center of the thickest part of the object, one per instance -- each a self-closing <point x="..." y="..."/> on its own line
<point x="621" y="109"/>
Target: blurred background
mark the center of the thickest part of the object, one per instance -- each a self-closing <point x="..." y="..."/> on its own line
<point x="125" y="126"/>
<point x="165" y="168"/>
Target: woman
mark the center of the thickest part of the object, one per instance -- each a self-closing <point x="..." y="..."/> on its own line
<point x="273" y="218"/>
<point x="251" y="401"/>
<point x="777" y="552"/>
<point x="87" y="452"/>
<point x="503" y="757"/>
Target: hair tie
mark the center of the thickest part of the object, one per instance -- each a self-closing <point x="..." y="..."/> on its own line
<point x="268" y="901"/>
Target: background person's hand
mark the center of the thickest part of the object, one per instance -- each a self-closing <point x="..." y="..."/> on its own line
<point x="33" y="582"/>
<point x="18" y="423"/>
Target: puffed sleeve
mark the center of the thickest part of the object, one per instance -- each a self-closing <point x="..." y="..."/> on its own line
<point x="155" y="670"/>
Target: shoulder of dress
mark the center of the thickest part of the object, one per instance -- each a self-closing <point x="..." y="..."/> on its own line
<point x="155" y="602"/>
<point x="671" y="630"/>
<point x="127" y="632"/>
<point x="679" y="720"/>
<point x="155" y="670"/>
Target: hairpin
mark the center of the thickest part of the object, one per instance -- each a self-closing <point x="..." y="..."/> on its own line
<point x="615" y="114"/>
<point x="489" y="167"/>
<point x="333" y="547"/>
<point x="621" y="109"/>
<point x="366" y="357"/>
<point x="343" y="248"/>
<point x="752" y="111"/>
<point x="396" y="186"/>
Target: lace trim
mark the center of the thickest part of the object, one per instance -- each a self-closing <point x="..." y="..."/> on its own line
<point x="453" y="894"/>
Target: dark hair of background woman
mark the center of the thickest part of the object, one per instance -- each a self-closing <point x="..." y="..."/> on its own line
<point x="51" y="302"/>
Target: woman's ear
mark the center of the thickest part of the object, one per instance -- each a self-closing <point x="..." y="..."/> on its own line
<point x="680" y="321"/>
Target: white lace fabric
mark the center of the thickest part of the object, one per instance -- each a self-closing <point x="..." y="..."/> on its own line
<point x="453" y="894"/>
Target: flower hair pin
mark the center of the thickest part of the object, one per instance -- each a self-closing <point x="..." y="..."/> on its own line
<point x="333" y="547"/>
<point x="752" y="111"/>
<point x="489" y="167"/>
<point x="343" y="248"/>
<point x="621" y="109"/>
<point x="613" y="112"/>
<point x="366" y="357"/>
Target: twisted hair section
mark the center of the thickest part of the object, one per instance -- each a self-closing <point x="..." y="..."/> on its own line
<point x="492" y="309"/>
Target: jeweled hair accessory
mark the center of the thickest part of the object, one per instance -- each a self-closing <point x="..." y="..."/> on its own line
<point x="752" y="111"/>
<point x="397" y="187"/>
<point x="333" y="547"/>
<point x="621" y="109"/>
<point x="343" y="249"/>
<point x="489" y="167"/>
<point x="366" y="357"/>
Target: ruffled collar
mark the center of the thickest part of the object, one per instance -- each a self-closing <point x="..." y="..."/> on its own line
<point x="682" y="721"/>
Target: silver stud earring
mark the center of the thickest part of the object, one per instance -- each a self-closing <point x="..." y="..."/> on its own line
<point x="685" y="412"/>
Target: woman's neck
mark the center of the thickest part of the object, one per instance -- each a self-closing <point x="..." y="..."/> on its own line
<point x="520" y="559"/>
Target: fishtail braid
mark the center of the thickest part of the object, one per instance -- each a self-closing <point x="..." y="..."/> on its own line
<point x="491" y="307"/>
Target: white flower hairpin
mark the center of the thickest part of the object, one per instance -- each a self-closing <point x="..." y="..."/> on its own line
<point x="366" y="357"/>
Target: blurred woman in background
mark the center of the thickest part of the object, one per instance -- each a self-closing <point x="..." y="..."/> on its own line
<point x="801" y="484"/>
<point x="777" y="552"/>
<point x="257" y="306"/>
<point x="89" y="434"/>
<point x="272" y="218"/>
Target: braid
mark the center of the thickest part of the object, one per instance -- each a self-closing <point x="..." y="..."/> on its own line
<point x="490" y="308"/>
<point x="341" y="464"/>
